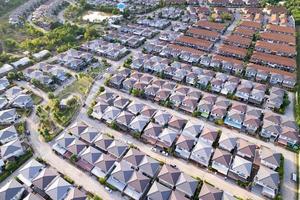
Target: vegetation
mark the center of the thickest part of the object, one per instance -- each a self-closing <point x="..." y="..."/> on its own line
<point x="63" y="115"/>
<point x="47" y="128"/>
<point x="294" y="7"/>
<point x="12" y="166"/>
<point x="280" y="169"/>
<point x="36" y="99"/>
<point x="68" y="179"/>
<point x="80" y="86"/>
<point x="9" y="6"/>
<point x="20" y="127"/>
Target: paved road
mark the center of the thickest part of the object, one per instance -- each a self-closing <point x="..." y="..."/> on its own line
<point x="288" y="187"/>
<point x="44" y="151"/>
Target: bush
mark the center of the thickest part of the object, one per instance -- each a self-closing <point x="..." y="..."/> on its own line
<point x="51" y="95"/>
<point x="101" y="89"/>
<point x="102" y="181"/>
<point x="68" y="179"/>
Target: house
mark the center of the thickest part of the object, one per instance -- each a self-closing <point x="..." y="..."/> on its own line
<point x="268" y="180"/>
<point x="110" y="114"/>
<point x="120" y="176"/>
<point x="202" y="153"/>
<point x="148" y="111"/>
<point x="240" y="169"/>
<point x="58" y="189"/>
<point x="30" y="171"/>
<point x="208" y="135"/>
<point x="288" y="137"/>
<point x="270" y="130"/>
<point x="12" y="190"/>
<point x="184" y="146"/>
<point x="176" y="99"/>
<point x="142" y="163"/>
<point x="124" y="119"/>
<point x="269" y="158"/>
<point x="4" y="83"/>
<point x="151" y="133"/>
<point x="167" y="138"/>
<point x="11" y="149"/>
<point x="117" y="149"/>
<point x="99" y="109"/>
<point x="76" y="193"/>
<point x="189" y="104"/>
<point x="23" y="101"/>
<point x="139" y="123"/>
<point x="107" y="97"/>
<point x="274" y="101"/>
<point x="176" y="123"/>
<point x="218" y="112"/>
<point x="251" y="123"/>
<point x="3" y="102"/>
<point x="234" y="119"/>
<point x="227" y="142"/>
<point x="221" y="161"/>
<point x="8" y="134"/>
<point x="137" y="186"/>
<point x="246" y="149"/>
<point x="169" y="176"/>
<point x="204" y="107"/>
<point x="209" y="192"/>
<point x="192" y="129"/>
<point x="43" y="179"/>
<point x="135" y="107"/>
<point x="186" y="185"/>
<point x="162" y="117"/>
<point x="103" y="166"/>
<point x="158" y="192"/>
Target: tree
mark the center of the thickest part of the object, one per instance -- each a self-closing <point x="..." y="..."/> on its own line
<point x="90" y="33"/>
<point x="51" y="95"/>
<point x="20" y="75"/>
<point x="11" y="75"/>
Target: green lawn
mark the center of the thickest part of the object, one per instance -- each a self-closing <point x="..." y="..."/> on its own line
<point x="36" y="99"/>
<point x="80" y="86"/>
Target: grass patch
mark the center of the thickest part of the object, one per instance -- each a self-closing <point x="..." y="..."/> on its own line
<point x="12" y="166"/>
<point x="36" y="99"/>
<point x="80" y="86"/>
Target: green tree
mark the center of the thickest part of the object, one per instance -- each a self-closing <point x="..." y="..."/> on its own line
<point x="11" y="75"/>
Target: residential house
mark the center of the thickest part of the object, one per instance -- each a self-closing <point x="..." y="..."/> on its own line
<point x="58" y="189"/>
<point x="209" y="192"/>
<point x="184" y="146"/>
<point x="202" y="153"/>
<point x="221" y="161"/>
<point x="246" y="149"/>
<point x="269" y="181"/>
<point x="8" y="134"/>
<point x="28" y="172"/>
<point x="12" y="190"/>
<point x="11" y="149"/>
<point x="240" y="169"/>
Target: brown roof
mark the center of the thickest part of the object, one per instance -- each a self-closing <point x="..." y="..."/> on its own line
<point x="228" y="49"/>
<point x="187" y="49"/>
<point x="194" y="41"/>
<point x="282" y="29"/>
<point x="270" y="70"/>
<point x="227" y="59"/>
<point x="211" y="25"/>
<point x="203" y="32"/>
<point x="289" y="39"/>
<point x="238" y="39"/>
<point x="274" y="47"/>
<point x="251" y="24"/>
<point x="274" y="59"/>
<point x="244" y="31"/>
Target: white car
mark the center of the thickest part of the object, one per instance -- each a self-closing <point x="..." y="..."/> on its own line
<point x="108" y="189"/>
<point x="153" y="149"/>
